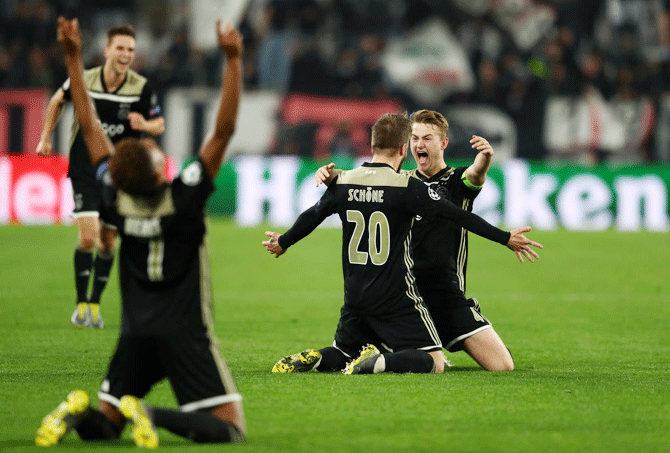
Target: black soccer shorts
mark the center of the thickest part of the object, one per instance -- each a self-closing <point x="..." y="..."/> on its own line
<point x="86" y="195"/>
<point x="199" y="377"/>
<point x="456" y="318"/>
<point x="411" y="328"/>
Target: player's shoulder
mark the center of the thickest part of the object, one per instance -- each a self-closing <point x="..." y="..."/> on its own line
<point x="374" y="176"/>
<point x="92" y="79"/>
<point x="134" y="84"/>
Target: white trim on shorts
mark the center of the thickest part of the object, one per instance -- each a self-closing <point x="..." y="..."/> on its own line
<point x="78" y="215"/>
<point x="467" y="335"/>
<point x="108" y="225"/>
<point x="102" y="396"/>
<point x="211" y="402"/>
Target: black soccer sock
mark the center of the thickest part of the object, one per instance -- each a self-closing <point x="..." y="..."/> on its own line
<point x="198" y="426"/>
<point x="409" y="361"/>
<point x="95" y="426"/>
<point x="332" y="359"/>
<point x="103" y="266"/>
<point x="83" y="262"/>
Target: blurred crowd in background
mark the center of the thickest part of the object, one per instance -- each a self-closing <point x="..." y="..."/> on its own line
<point x="619" y="49"/>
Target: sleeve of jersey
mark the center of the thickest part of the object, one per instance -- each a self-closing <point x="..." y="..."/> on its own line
<point x="149" y="103"/>
<point x="427" y="202"/>
<point x="310" y="219"/>
<point x="192" y="187"/>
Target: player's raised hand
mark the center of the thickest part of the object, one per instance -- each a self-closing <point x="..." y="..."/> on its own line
<point x="230" y="40"/>
<point x="520" y="244"/>
<point x="482" y="145"/>
<point x="323" y="174"/>
<point x="272" y="245"/>
<point x="44" y="148"/>
<point x="68" y="35"/>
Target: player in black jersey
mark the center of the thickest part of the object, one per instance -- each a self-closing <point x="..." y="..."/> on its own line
<point x="127" y="107"/>
<point x="166" y="322"/>
<point x="441" y="264"/>
<point x="441" y="248"/>
<point x="382" y="306"/>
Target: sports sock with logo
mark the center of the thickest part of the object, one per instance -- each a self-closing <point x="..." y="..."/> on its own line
<point x="83" y="262"/>
<point x="102" y="266"/>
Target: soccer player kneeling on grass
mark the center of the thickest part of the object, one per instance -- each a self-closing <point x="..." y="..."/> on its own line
<point x="383" y="310"/>
<point x="166" y="322"/>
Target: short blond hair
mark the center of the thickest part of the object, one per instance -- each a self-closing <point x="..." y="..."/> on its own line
<point x="431" y="117"/>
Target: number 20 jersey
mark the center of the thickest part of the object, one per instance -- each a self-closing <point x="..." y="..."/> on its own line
<point x="377" y="206"/>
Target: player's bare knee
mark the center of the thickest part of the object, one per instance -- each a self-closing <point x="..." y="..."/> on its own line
<point x="439" y="366"/>
<point x="88" y="242"/>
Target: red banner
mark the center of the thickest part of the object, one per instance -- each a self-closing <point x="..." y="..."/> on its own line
<point x="35" y="190"/>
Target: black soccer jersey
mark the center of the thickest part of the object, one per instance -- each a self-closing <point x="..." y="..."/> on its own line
<point x="163" y="267"/>
<point x="441" y="247"/>
<point x="377" y="206"/>
<point x="134" y="95"/>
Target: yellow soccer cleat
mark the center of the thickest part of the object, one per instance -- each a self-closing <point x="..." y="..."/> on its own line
<point x="96" y="316"/>
<point x="62" y="420"/>
<point x="143" y="430"/>
<point x="82" y="315"/>
<point x="299" y="362"/>
<point x="364" y="363"/>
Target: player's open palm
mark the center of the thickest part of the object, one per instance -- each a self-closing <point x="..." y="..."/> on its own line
<point x="520" y="244"/>
<point x="230" y="40"/>
<point x="68" y="35"/>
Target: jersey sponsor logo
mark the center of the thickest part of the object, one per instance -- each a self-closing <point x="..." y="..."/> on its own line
<point x="124" y="110"/>
<point x="192" y="175"/>
<point x="433" y="194"/>
<point x="367" y="195"/>
<point x="113" y="129"/>
<point x="142" y="227"/>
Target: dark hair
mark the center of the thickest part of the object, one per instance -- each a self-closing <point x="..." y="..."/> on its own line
<point x="431" y="117"/>
<point x="132" y="170"/>
<point x="391" y="131"/>
<point x="125" y="30"/>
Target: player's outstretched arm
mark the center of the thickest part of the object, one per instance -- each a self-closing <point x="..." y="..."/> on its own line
<point x="476" y="173"/>
<point x="520" y="244"/>
<point x="272" y="244"/>
<point x="212" y="150"/>
<point x="96" y="140"/>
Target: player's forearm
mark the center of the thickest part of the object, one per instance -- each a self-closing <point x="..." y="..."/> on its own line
<point x="475" y="224"/>
<point x="476" y="173"/>
<point x="51" y="116"/>
<point x="230" y="98"/>
<point x="214" y="148"/>
<point x="155" y="126"/>
<point x="304" y="225"/>
<point x="97" y="143"/>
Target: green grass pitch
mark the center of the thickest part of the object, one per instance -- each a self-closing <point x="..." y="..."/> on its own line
<point x="588" y="324"/>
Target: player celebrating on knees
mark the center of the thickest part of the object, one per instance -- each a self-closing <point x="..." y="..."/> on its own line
<point x="127" y="106"/>
<point x="166" y="323"/>
<point x="383" y="310"/>
<point x="440" y="249"/>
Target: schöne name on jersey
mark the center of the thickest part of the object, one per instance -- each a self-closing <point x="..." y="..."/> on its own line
<point x="368" y="195"/>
